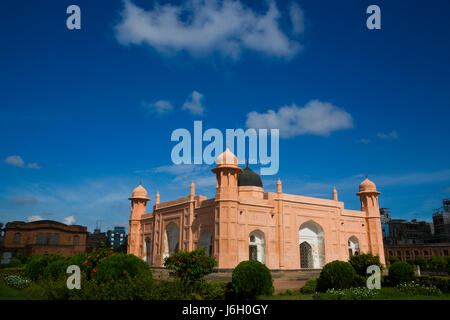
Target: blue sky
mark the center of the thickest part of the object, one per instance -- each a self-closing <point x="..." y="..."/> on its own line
<point x="86" y="114"/>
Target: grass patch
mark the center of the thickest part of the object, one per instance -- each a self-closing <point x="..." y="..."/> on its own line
<point x="298" y="296"/>
<point x="33" y="292"/>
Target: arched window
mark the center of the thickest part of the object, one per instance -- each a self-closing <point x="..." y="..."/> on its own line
<point x="353" y="246"/>
<point x="311" y="233"/>
<point x="171" y="239"/>
<point x="40" y="238"/>
<point x="16" y="238"/>
<point x="48" y="238"/>
<point x="56" y="238"/>
<point x="257" y="246"/>
<point x="206" y="241"/>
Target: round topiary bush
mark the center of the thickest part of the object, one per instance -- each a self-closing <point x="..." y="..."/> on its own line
<point x="120" y="266"/>
<point x="251" y="278"/>
<point x="362" y="261"/>
<point x="35" y="267"/>
<point x="336" y="275"/>
<point x="310" y="286"/>
<point x="401" y="272"/>
<point x="393" y="260"/>
<point x="56" y="269"/>
<point x="421" y="262"/>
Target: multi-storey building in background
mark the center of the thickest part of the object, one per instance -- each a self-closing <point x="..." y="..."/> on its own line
<point x="408" y="232"/>
<point x="441" y="222"/>
<point x="43" y="237"/>
<point x="117" y="237"/>
<point x="385" y="218"/>
<point x="411" y="239"/>
<point x="95" y="240"/>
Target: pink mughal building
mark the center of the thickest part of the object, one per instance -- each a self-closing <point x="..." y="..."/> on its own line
<point x="242" y="222"/>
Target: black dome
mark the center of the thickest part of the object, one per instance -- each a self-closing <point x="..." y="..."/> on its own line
<point x="249" y="178"/>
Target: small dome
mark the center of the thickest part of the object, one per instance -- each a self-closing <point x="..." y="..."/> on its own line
<point x="227" y="158"/>
<point x="139" y="193"/>
<point x="249" y="178"/>
<point x="367" y="185"/>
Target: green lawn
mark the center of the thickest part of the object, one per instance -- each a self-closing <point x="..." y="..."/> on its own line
<point x="34" y="292"/>
<point x="386" y="293"/>
<point x="287" y="297"/>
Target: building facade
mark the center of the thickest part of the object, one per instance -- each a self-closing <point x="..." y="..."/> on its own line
<point x="411" y="251"/>
<point x="44" y="237"/>
<point x="94" y="240"/>
<point x="441" y="222"/>
<point x="408" y="232"/>
<point x="117" y="237"/>
<point x="284" y="231"/>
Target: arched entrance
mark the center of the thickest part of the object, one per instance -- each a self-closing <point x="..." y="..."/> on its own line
<point x="257" y="246"/>
<point x="206" y="241"/>
<point x="171" y="239"/>
<point x="353" y="246"/>
<point x="306" y="258"/>
<point x="311" y="245"/>
<point x="148" y="256"/>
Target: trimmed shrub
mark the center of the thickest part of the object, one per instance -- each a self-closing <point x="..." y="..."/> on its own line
<point x="393" y="260"/>
<point x="190" y="266"/>
<point x="442" y="283"/>
<point x="17" y="282"/>
<point x="250" y="279"/>
<point x="438" y="264"/>
<point x="347" y="294"/>
<point x="310" y="286"/>
<point x="22" y="257"/>
<point x="119" y="267"/>
<point x="14" y="263"/>
<point x="362" y="261"/>
<point x="56" y="269"/>
<point x="359" y="281"/>
<point x="12" y="272"/>
<point x="415" y="289"/>
<point x="421" y="262"/>
<point x="35" y="267"/>
<point x="212" y="291"/>
<point x="336" y="275"/>
<point x="401" y="272"/>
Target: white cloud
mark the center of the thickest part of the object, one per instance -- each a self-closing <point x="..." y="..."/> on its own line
<point x="33" y="165"/>
<point x="316" y="117"/>
<point x="15" y="161"/>
<point x="414" y="178"/>
<point x="34" y="218"/>
<point x="392" y="135"/>
<point x="69" y="220"/>
<point x="18" y="162"/>
<point x="159" y="107"/>
<point x="205" y="27"/>
<point x="186" y="173"/>
<point x="24" y="200"/>
<point x="297" y="18"/>
<point x="364" y="141"/>
<point x="194" y="103"/>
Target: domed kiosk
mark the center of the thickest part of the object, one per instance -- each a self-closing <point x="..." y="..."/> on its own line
<point x="250" y="184"/>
